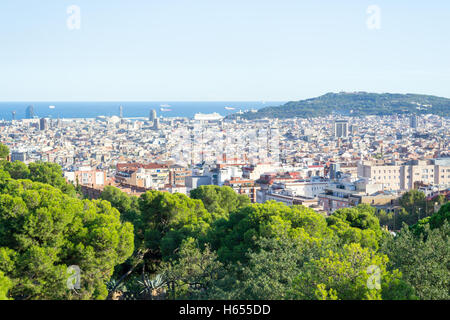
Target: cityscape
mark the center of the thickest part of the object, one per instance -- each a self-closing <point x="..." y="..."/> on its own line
<point x="225" y="159"/>
<point x="324" y="163"/>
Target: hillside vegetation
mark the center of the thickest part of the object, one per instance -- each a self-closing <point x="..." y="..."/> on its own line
<point x="355" y="104"/>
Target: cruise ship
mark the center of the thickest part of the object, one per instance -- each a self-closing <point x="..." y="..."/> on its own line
<point x="208" y="116"/>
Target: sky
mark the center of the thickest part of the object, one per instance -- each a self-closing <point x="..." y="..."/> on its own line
<point x="229" y="50"/>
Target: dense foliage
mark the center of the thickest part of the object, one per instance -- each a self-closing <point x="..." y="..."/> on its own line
<point x="44" y="231"/>
<point x="422" y="254"/>
<point x="212" y="245"/>
<point x="45" y="172"/>
<point x="414" y="206"/>
<point x="355" y="103"/>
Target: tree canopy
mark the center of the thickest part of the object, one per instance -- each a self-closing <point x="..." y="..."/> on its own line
<point x="44" y="231"/>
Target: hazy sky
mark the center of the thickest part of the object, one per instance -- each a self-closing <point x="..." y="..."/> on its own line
<point x="221" y="50"/>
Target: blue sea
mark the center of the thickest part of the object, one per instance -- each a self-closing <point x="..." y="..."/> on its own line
<point x="130" y="109"/>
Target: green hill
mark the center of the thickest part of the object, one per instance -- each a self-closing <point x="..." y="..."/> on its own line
<point x="355" y="104"/>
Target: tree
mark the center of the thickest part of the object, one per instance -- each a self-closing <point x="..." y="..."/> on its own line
<point x="356" y="225"/>
<point x="437" y="220"/>
<point x="128" y="206"/>
<point x="352" y="273"/>
<point x="193" y="274"/>
<point x="423" y="258"/>
<point x="167" y="219"/>
<point x="270" y="271"/>
<point x="219" y="201"/>
<point x="50" y="173"/>
<point x="17" y="170"/>
<point x="5" y="285"/>
<point x="4" y="151"/>
<point x="234" y="237"/>
<point x="43" y="232"/>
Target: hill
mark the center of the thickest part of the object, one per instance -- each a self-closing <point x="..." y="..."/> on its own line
<point x="355" y="104"/>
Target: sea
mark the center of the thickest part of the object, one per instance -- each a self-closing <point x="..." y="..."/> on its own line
<point x="130" y="109"/>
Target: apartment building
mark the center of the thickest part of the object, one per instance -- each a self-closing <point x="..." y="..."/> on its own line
<point x="86" y="176"/>
<point x="407" y="175"/>
<point x="149" y="176"/>
<point x="244" y="186"/>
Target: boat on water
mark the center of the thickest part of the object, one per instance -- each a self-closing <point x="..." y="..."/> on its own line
<point x="51" y="107"/>
<point x="165" y="107"/>
<point x="208" y="116"/>
<point x="229" y="108"/>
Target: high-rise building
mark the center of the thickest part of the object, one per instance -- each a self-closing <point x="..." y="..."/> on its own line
<point x="156" y="124"/>
<point x="341" y="128"/>
<point x="13" y="115"/>
<point x="414" y="121"/>
<point x="30" y="112"/>
<point x="353" y="129"/>
<point x="335" y="169"/>
<point x="120" y="112"/>
<point x="152" y="116"/>
<point x="43" y="124"/>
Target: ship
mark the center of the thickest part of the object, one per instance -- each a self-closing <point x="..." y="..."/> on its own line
<point x="51" y="107"/>
<point x="229" y="108"/>
<point x="165" y="107"/>
<point x="208" y="117"/>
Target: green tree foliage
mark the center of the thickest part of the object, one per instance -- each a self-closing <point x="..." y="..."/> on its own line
<point x="415" y="204"/>
<point x="44" y="172"/>
<point x="17" y="170"/>
<point x="422" y="254"/>
<point x="234" y="237"/>
<point x="4" y="151"/>
<point x="50" y="173"/>
<point x="43" y="231"/>
<point x="5" y="285"/>
<point x="437" y="220"/>
<point x="194" y="273"/>
<point x="353" y="104"/>
<point x="353" y="273"/>
<point x="414" y="207"/>
<point x="269" y="272"/>
<point x="356" y="225"/>
<point x="167" y="219"/>
<point x="128" y="206"/>
<point x="220" y="201"/>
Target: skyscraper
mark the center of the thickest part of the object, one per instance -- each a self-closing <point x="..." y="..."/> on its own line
<point x="353" y="129"/>
<point x="30" y="112"/>
<point x="341" y="128"/>
<point x="13" y="115"/>
<point x="43" y="124"/>
<point x="156" y="124"/>
<point x="120" y="112"/>
<point x="335" y="168"/>
<point x="413" y="121"/>
<point x="152" y="116"/>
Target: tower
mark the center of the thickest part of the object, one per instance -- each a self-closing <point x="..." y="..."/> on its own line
<point x="341" y="128"/>
<point x="156" y="124"/>
<point x="413" y="121"/>
<point x="120" y="112"/>
<point x="13" y="115"/>
<point x="152" y="115"/>
<point x="30" y="112"/>
<point x="43" y="124"/>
